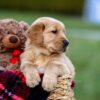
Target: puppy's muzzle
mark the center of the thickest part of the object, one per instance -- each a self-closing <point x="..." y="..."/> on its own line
<point x="65" y="44"/>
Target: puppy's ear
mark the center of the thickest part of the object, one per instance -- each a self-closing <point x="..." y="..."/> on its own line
<point x="35" y="33"/>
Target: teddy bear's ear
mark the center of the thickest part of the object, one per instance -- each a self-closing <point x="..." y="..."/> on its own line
<point x="24" y="25"/>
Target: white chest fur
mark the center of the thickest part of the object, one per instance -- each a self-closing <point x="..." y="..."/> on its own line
<point x="41" y="63"/>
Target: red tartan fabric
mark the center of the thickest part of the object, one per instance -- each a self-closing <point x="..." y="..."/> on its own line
<point x="13" y="87"/>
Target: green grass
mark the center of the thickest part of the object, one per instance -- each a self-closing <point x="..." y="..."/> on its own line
<point x="84" y="52"/>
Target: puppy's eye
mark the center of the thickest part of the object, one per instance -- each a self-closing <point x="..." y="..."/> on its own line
<point x="54" y="31"/>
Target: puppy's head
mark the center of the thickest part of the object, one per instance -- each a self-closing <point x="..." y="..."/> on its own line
<point x="48" y="33"/>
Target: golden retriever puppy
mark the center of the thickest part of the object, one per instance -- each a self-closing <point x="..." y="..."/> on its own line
<point x="44" y="52"/>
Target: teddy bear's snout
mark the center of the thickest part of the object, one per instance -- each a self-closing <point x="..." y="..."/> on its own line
<point x="11" y="41"/>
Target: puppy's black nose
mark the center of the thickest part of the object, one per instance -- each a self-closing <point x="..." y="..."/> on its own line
<point x="65" y="44"/>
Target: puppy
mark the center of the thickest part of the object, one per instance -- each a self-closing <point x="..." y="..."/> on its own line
<point x="44" y="52"/>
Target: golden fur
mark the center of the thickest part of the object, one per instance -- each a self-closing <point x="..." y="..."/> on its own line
<point x="44" y="52"/>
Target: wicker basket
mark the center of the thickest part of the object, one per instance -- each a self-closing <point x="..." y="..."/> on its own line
<point x="63" y="89"/>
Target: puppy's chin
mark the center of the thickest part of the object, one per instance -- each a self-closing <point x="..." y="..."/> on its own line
<point x="56" y="51"/>
<point x="64" y="50"/>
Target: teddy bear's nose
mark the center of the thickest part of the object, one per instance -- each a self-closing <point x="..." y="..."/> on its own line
<point x="13" y="39"/>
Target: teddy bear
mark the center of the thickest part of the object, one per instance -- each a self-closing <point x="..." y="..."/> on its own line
<point x="12" y="39"/>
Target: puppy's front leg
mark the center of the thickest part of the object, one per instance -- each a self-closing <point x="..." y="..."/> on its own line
<point x="50" y="77"/>
<point x="31" y="75"/>
<point x="29" y="70"/>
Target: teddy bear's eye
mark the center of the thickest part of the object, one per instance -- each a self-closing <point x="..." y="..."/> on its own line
<point x="1" y="38"/>
<point x="8" y="33"/>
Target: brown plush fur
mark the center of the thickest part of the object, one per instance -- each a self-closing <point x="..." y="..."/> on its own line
<point x="11" y="29"/>
<point x="44" y="53"/>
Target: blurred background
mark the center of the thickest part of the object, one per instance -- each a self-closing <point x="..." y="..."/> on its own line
<point x="82" y="21"/>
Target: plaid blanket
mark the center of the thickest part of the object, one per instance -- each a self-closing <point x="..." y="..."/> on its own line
<point x="13" y="87"/>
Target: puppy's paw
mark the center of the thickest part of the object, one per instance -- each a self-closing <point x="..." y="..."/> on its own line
<point x="49" y="82"/>
<point x="32" y="78"/>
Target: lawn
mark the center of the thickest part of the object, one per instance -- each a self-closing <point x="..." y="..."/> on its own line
<point x="84" y="50"/>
